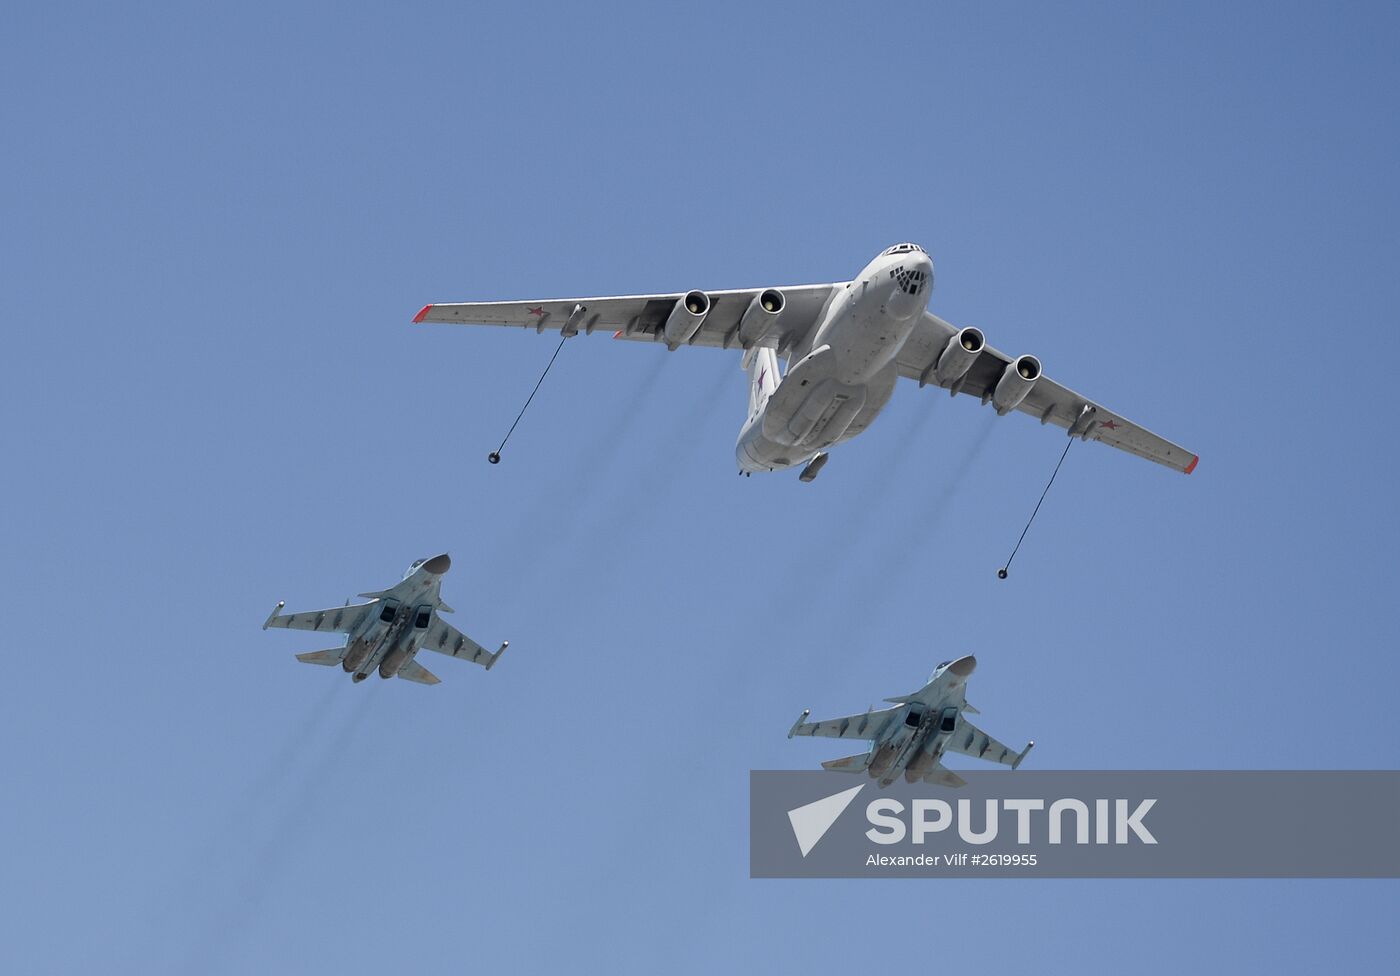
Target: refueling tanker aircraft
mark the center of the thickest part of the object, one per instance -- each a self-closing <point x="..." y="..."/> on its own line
<point x="387" y="632"/>
<point x="845" y="345"/>
<point x="912" y="737"/>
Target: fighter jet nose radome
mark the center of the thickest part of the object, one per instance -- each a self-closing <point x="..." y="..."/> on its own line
<point x="438" y="564"/>
<point x="963" y="666"/>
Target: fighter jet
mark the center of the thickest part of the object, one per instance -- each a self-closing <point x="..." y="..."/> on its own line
<point x="912" y="737"/>
<point x="387" y="632"/>
<point x="845" y="344"/>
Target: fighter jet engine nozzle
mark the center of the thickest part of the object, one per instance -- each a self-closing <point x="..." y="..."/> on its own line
<point x="1015" y="384"/>
<point x="761" y="315"/>
<point x="958" y="355"/>
<point x="438" y="564"/>
<point x="686" y="318"/>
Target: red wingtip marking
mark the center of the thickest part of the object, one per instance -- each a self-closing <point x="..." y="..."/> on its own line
<point x="617" y="334"/>
<point x="1192" y="466"/>
<point x="422" y="312"/>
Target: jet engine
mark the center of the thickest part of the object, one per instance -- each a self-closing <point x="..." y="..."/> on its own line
<point x="394" y="661"/>
<point x="958" y="356"/>
<point x="686" y="318"/>
<point x="1015" y="384"/>
<point x="357" y="655"/>
<point x="761" y="315"/>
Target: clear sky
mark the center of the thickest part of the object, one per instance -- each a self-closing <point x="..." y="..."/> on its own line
<point x="214" y="229"/>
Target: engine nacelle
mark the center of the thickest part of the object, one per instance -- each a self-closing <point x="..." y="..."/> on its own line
<point x="395" y="660"/>
<point x="686" y="318"/>
<point x="1016" y="383"/>
<point x="761" y="315"/>
<point x="357" y="655"/>
<point x="958" y="356"/>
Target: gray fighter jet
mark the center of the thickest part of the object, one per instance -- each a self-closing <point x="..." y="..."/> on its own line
<point x="387" y="632"/>
<point x="912" y="737"/>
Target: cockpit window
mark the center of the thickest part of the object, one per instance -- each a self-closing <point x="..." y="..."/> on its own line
<point x="909" y="281"/>
<point x="905" y="249"/>
<point x="941" y="665"/>
<point x="417" y="563"/>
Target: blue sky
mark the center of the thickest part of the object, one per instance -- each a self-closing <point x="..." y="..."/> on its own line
<point x="216" y="227"/>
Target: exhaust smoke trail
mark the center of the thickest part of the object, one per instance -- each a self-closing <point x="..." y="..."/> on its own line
<point x="899" y="554"/>
<point x="588" y="474"/>
<point x="264" y="851"/>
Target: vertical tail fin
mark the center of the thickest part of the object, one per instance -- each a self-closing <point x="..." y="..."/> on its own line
<point x="761" y="363"/>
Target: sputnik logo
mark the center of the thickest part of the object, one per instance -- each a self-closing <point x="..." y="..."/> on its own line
<point x="811" y="821"/>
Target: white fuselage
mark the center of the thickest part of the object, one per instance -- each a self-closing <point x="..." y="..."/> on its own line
<point x="837" y="384"/>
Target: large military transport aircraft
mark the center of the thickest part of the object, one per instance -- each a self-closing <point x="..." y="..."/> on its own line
<point x="845" y="345"/>
<point x="912" y="737"/>
<point x="388" y="632"/>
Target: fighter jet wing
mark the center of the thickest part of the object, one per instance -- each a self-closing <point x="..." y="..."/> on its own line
<point x="972" y="741"/>
<point x="447" y="639"/>
<point x="1047" y="401"/>
<point x="643" y="317"/>
<point x="862" y="726"/>
<point x="337" y="620"/>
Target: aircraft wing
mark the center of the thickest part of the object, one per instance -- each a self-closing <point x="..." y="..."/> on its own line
<point x="447" y="639"/>
<point x="643" y="317"/>
<point x="972" y="741"/>
<point x="336" y="620"/>
<point x="1048" y="401"/>
<point x="863" y="726"/>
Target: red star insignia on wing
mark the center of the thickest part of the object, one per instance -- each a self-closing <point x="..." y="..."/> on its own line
<point x="537" y="310"/>
<point x="1108" y="425"/>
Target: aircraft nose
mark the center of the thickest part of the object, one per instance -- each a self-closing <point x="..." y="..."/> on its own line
<point x="438" y="564"/>
<point x="963" y="666"/>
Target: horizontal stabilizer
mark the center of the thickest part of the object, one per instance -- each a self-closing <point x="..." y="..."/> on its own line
<point x="943" y="776"/>
<point x="413" y="671"/>
<point x="851" y="764"/>
<point x="329" y="657"/>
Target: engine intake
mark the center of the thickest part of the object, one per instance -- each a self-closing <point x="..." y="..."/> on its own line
<point x="686" y="318"/>
<point x="958" y="355"/>
<point x="1016" y="383"/>
<point x="761" y="315"/>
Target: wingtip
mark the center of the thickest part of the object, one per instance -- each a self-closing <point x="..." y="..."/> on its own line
<point x="422" y="314"/>
<point x="1192" y="466"/>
